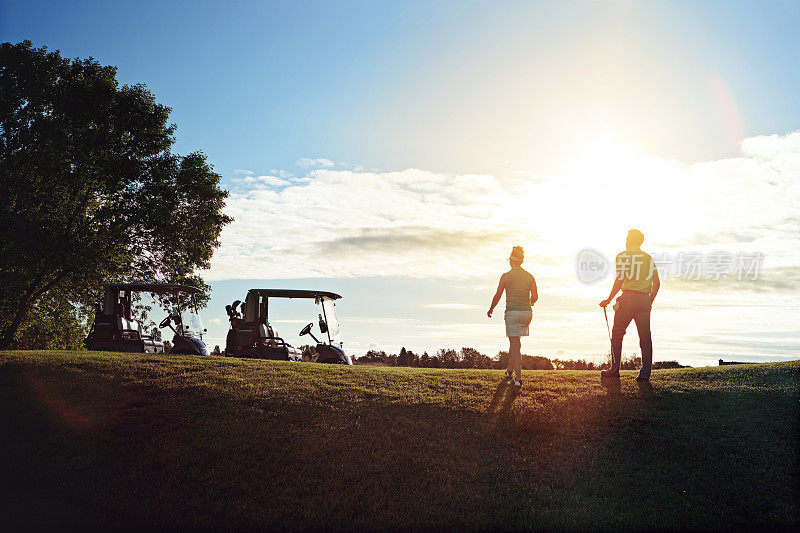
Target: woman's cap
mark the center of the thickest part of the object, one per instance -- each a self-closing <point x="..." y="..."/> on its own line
<point x="517" y="254"/>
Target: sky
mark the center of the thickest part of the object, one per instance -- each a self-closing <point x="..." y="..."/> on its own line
<point x="393" y="152"/>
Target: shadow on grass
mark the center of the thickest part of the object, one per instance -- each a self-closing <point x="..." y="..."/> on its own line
<point x="169" y="457"/>
<point x="499" y="410"/>
<point x="501" y="389"/>
<point x="645" y="390"/>
<point x="613" y="387"/>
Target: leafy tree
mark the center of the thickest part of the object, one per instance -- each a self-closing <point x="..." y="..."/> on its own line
<point x="627" y="362"/>
<point x="632" y="362"/>
<point x="469" y="357"/>
<point x="448" y="357"/>
<point x="89" y="190"/>
<point x="536" y="362"/>
<point x="668" y="364"/>
<point x="425" y="360"/>
<point x="308" y="352"/>
<point x="373" y="356"/>
<point x="54" y="324"/>
<point x="407" y="358"/>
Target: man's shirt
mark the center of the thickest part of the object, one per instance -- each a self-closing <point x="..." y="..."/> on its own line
<point x="636" y="269"/>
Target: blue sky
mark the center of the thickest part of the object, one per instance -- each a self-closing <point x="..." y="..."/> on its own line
<point x="260" y="85"/>
<point x="316" y="114"/>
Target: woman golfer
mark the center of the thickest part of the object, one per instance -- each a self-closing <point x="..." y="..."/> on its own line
<point x="520" y="288"/>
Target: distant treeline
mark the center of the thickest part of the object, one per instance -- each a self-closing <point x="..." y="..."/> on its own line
<point x="471" y="358"/>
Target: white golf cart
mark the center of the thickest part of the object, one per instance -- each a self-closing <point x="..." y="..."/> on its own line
<point x="114" y="330"/>
<point x="252" y="335"/>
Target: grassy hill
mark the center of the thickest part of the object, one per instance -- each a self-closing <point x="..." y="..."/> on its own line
<point x="133" y="440"/>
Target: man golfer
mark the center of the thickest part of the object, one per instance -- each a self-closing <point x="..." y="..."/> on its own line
<point x="637" y="277"/>
<point x="521" y="293"/>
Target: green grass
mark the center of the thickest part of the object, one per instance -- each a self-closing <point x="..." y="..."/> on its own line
<point x="121" y="440"/>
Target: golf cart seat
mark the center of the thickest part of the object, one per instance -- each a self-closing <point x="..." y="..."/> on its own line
<point x="104" y="328"/>
<point x="125" y="325"/>
<point x="150" y="344"/>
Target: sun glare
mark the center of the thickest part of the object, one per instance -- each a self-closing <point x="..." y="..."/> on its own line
<point x="603" y="157"/>
<point x="606" y="188"/>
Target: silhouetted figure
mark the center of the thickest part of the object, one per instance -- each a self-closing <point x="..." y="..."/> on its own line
<point x="637" y="277"/>
<point x="123" y="309"/>
<point x="521" y="293"/>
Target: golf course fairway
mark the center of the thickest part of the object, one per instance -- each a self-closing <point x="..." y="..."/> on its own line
<point x="134" y="440"/>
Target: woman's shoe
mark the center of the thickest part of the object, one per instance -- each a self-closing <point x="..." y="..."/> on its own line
<point x="516" y="384"/>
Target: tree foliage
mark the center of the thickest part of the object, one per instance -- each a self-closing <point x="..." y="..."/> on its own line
<point x="89" y="189"/>
<point x="472" y="358"/>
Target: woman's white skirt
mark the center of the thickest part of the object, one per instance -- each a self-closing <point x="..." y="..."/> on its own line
<point x="517" y="323"/>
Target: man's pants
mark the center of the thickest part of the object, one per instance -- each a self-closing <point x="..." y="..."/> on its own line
<point x="633" y="306"/>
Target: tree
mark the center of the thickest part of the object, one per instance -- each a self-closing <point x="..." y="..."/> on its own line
<point x="627" y="362"/>
<point x="425" y="360"/>
<point x="448" y="357"/>
<point x="632" y="362"/>
<point x="407" y="358"/>
<point x="89" y="190"/>
<point x="373" y="356"/>
<point x="536" y="362"/>
<point x="54" y="324"/>
<point x="308" y="352"/>
<point x="470" y="357"/>
<point x="668" y="364"/>
<point x="501" y="360"/>
<point x="529" y="362"/>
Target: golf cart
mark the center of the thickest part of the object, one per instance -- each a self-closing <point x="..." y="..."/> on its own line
<point x="114" y="330"/>
<point x="251" y="334"/>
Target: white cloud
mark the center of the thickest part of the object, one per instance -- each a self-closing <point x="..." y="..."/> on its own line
<point x="267" y="181"/>
<point x="418" y="223"/>
<point x="243" y="172"/>
<point x="451" y="306"/>
<point x="347" y="223"/>
<point x="321" y="162"/>
<point x="273" y="181"/>
<point x="771" y="146"/>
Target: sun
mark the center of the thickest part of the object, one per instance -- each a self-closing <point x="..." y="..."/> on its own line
<point x="604" y="157"/>
<point x="606" y="188"/>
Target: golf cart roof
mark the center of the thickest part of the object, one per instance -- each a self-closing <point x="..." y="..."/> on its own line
<point x="294" y="293"/>
<point x="157" y="288"/>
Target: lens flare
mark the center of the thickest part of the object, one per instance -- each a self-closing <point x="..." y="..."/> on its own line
<point x="726" y="109"/>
